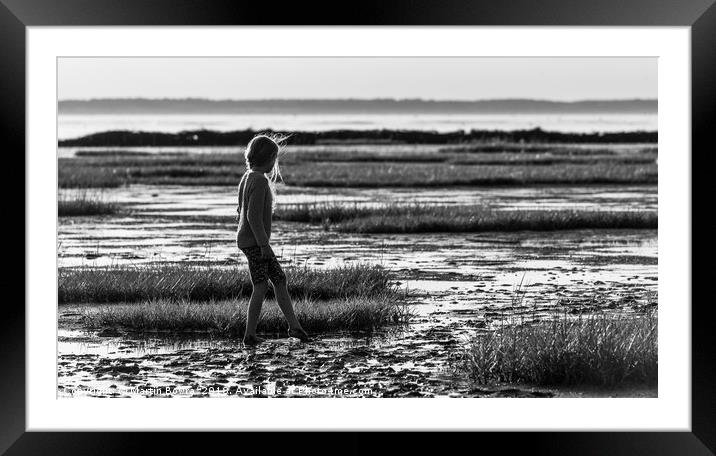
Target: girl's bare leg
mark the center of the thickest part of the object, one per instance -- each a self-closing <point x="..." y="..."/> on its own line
<point x="257" y="299"/>
<point x="284" y="302"/>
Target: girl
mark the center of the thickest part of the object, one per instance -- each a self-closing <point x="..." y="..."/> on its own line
<point x="256" y="203"/>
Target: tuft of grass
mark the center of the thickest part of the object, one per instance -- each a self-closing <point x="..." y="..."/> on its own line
<point x="85" y="202"/>
<point x="73" y="175"/>
<point x="228" y="318"/>
<point x="114" y="284"/>
<point x="599" y="349"/>
<point x="335" y="212"/>
<point x="423" y="218"/>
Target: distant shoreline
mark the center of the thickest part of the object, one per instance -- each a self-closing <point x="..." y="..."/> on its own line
<point x="125" y="138"/>
<point x="353" y="106"/>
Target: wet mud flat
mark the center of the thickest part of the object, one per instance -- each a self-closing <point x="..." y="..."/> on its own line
<point x="412" y="361"/>
<point x="458" y="285"/>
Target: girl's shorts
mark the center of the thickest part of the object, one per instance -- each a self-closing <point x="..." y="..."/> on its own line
<point x="262" y="269"/>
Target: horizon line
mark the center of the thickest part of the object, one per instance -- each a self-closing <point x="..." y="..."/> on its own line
<point x="434" y="100"/>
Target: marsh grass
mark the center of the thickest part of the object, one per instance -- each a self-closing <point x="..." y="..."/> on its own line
<point x="114" y="284"/>
<point x="541" y="147"/>
<point x="85" y="202"/>
<point x="597" y="349"/>
<point x="228" y="318"/>
<point x="423" y="218"/>
<point x="450" y="174"/>
<point x="382" y="167"/>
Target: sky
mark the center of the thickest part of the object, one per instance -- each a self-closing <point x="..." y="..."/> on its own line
<point x="434" y="78"/>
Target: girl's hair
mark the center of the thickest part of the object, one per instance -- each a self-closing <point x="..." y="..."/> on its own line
<point x="264" y="149"/>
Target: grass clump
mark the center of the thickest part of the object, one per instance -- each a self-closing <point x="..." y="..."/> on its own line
<point x="423" y="218"/>
<point x="595" y="350"/>
<point x="228" y="318"/>
<point x="85" y="202"/>
<point x="74" y="175"/>
<point x="114" y="284"/>
<point x="335" y="212"/>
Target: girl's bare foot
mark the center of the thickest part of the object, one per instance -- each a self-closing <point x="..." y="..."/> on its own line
<point x="252" y="340"/>
<point x="299" y="333"/>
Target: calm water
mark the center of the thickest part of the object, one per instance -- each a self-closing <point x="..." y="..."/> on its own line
<point x="72" y="126"/>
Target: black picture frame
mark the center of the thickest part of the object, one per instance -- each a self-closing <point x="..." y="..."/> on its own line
<point x="700" y="15"/>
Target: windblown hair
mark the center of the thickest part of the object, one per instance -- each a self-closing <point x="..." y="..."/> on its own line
<point x="262" y="150"/>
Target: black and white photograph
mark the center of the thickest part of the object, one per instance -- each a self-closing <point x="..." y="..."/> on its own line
<point x="357" y="227"/>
